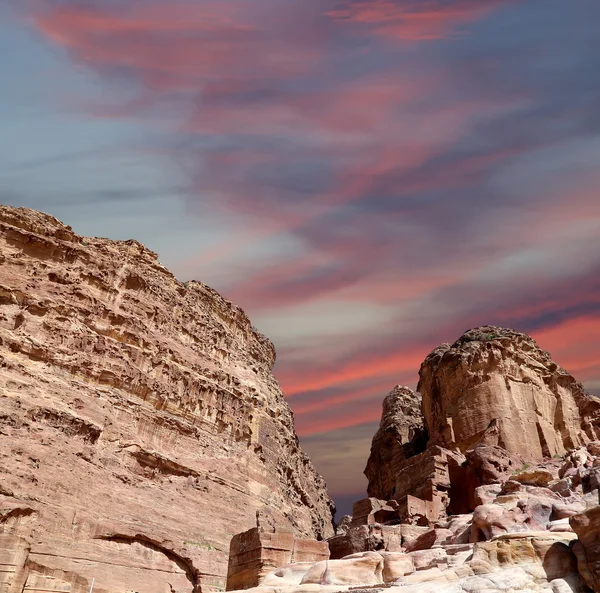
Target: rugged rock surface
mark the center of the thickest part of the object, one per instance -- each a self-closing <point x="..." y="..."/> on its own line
<point x="401" y="435"/>
<point x="491" y="402"/>
<point x="587" y="549"/>
<point x="541" y="562"/>
<point x="497" y="387"/>
<point x="256" y="553"/>
<point x="520" y="538"/>
<point x="140" y="424"/>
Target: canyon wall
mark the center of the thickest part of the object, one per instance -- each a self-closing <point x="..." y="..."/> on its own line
<point x="140" y="424"/>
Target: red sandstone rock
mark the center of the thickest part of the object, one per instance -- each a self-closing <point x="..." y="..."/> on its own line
<point x="587" y="549"/>
<point x="491" y="463"/>
<point x="255" y="553"/>
<point x="496" y="386"/>
<point x="401" y="435"/>
<point x="140" y="423"/>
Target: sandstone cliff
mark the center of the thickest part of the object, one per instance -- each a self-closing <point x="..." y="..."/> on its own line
<point x="140" y="424"/>
<point x="496" y="386"/>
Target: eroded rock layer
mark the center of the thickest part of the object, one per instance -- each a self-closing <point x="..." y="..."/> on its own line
<point x="140" y="424"/>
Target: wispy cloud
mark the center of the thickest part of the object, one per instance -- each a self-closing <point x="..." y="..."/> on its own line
<point x="375" y="177"/>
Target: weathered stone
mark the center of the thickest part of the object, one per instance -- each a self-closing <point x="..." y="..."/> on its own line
<point x="433" y="483"/>
<point x="495" y="386"/>
<point x="491" y="463"/>
<point x="401" y="435"/>
<point x="536" y="476"/>
<point x="432" y="537"/>
<point x="460" y="528"/>
<point x="140" y="423"/>
<point x="396" y="565"/>
<point x="366" y="538"/>
<point x="255" y="553"/>
<point x="361" y="569"/>
<point x="587" y="527"/>
<point x="424" y="559"/>
<point x="344" y="524"/>
<point x="369" y="511"/>
<point x="487" y="494"/>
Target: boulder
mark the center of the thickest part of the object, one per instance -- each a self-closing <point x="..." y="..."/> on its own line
<point x="359" y="569"/>
<point x="396" y="565"/>
<point x="535" y="476"/>
<point x="587" y="549"/>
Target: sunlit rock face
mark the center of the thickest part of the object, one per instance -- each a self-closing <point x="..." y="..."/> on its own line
<point x="140" y="424"/>
<point x="495" y="386"/>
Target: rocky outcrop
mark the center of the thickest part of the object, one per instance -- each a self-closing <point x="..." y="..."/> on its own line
<point x="541" y="562"/>
<point x="256" y="553"/>
<point x="587" y="548"/>
<point x="491" y="403"/>
<point x="401" y="435"/>
<point x="533" y="498"/>
<point x="495" y="386"/>
<point x="140" y="424"/>
<point x="520" y="537"/>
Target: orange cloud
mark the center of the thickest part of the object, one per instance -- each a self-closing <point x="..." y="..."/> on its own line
<point x="574" y="344"/>
<point x="396" y="364"/>
<point x="302" y="409"/>
<point x="310" y="427"/>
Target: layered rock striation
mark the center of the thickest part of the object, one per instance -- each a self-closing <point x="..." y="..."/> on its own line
<point x="140" y="424"/>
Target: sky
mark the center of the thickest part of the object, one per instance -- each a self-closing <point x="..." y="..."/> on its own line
<point x="366" y="178"/>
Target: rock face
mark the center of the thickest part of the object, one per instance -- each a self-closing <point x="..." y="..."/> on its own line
<point x="587" y="549"/>
<point x="140" y="424"/>
<point x="401" y="435"/>
<point x="496" y="386"/>
<point x="255" y="553"/>
<point x="491" y="402"/>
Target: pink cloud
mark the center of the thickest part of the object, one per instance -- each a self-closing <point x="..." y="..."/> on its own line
<point x="413" y="20"/>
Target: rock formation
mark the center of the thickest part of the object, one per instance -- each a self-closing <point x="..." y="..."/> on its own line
<point x="140" y="424"/>
<point x="520" y="537"/>
<point x="496" y="386"/>
<point x="541" y="562"/>
<point x="587" y="548"/>
<point x="486" y="495"/>
<point x="255" y="553"/>
<point x="491" y="402"/>
<point x="401" y="435"/>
